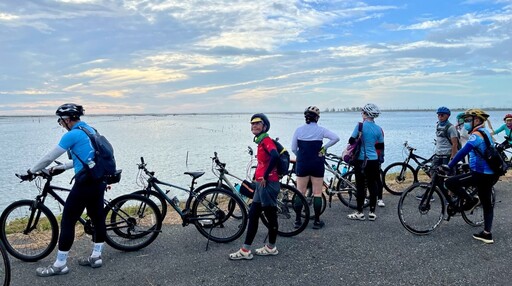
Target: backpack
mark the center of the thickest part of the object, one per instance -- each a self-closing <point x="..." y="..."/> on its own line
<point x="351" y="152"/>
<point x="283" y="165"/>
<point x="493" y="157"/>
<point x="104" y="167"/>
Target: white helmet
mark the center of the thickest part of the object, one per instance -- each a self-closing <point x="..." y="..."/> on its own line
<point x="371" y="110"/>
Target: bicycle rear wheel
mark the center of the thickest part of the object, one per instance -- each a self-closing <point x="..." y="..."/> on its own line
<point x="476" y="216"/>
<point x="29" y="231"/>
<point x="219" y="215"/>
<point x="288" y="200"/>
<point x="157" y="198"/>
<point x="133" y="222"/>
<point x="398" y="177"/>
<point x="5" y="266"/>
<point x="347" y="191"/>
<point x="421" y="209"/>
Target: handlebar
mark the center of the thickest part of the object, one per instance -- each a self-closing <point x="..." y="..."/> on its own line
<point x="142" y="166"/>
<point x="215" y="159"/>
<point x="44" y="173"/>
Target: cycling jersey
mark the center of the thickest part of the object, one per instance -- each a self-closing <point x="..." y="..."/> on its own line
<point x="476" y="162"/>
<point x="264" y="148"/>
<point x="508" y="132"/>
<point x="77" y="141"/>
<point x="372" y="134"/>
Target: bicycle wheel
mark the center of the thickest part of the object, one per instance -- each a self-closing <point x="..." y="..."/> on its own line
<point x="29" y="233"/>
<point x="157" y="198"/>
<point x="219" y="215"/>
<point x="213" y="185"/>
<point x="421" y="209"/>
<point x="133" y="222"/>
<point x="5" y="266"/>
<point x="347" y="191"/>
<point x="398" y="177"/>
<point x="476" y="216"/>
<point x="286" y="214"/>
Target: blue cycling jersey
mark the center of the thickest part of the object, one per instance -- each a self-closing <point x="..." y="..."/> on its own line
<point x="476" y="162"/>
<point x="76" y="140"/>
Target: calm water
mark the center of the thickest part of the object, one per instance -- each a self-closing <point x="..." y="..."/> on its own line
<point x="172" y="145"/>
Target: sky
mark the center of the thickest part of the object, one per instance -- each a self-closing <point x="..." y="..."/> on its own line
<point x="204" y="56"/>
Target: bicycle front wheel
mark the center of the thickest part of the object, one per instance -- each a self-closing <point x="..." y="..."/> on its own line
<point x="157" y="198"/>
<point x="132" y="221"/>
<point x="347" y="191"/>
<point x="289" y="201"/>
<point x="5" y="266"/>
<point x="421" y="208"/>
<point x="397" y="177"/>
<point x="219" y="215"/>
<point x="29" y="230"/>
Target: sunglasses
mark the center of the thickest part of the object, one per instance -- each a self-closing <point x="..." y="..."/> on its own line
<point x="468" y="119"/>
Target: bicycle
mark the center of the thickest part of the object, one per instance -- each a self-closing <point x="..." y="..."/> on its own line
<point x="29" y="229"/>
<point x="423" y="206"/>
<point x="399" y="176"/>
<point x="285" y="201"/>
<point x="5" y="266"/>
<point x="217" y="214"/>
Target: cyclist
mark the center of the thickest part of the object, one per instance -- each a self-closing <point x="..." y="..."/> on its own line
<point x="481" y="175"/>
<point x="447" y="138"/>
<point x="463" y="133"/>
<point x="85" y="193"/>
<point x="307" y="146"/>
<point x="265" y="195"/>
<point x="367" y="166"/>
<point x="507" y="127"/>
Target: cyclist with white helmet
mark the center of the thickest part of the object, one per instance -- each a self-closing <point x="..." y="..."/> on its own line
<point x="308" y="147"/>
<point x="86" y="192"/>
<point x="367" y="165"/>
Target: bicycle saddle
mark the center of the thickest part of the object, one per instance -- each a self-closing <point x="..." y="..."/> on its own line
<point x="194" y="175"/>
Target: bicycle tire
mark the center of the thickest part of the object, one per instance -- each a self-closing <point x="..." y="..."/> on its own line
<point x="286" y="214"/>
<point x="133" y="222"/>
<point x="419" y="214"/>
<point x="476" y="216"/>
<point x="157" y="198"/>
<point x="219" y="215"/>
<point x="37" y="243"/>
<point x="5" y="267"/>
<point x="397" y="177"/>
<point x="347" y="191"/>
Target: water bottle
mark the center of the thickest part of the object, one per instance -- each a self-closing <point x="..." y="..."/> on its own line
<point x="244" y="198"/>
<point x="334" y="167"/>
<point x="176" y="201"/>
<point x="344" y="170"/>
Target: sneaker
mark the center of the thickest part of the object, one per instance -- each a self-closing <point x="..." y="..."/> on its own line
<point x="93" y="262"/>
<point x="52" y="270"/>
<point x="485" y="237"/>
<point x="372" y="216"/>
<point x="265" y="250"/>
<point x="297" y="224"/>
<point x="356" y="216"/>
<point x="471" y="205"/>
<point x="241" y="254"/>
<point x="381" y="203"/>
<point x="318" y="224"/>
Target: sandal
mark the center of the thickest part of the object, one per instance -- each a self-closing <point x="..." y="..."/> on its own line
<point x="240" y="254"/>
<point x="265" y="250"/>
<point x="52" y="270"/>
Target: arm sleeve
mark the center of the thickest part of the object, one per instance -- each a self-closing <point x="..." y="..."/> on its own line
<point x="461" y="154"/>
<point x="48" y="159"/>
<point x="333" y="138"/>
<point x="294" y="143"/>
<point x="274" y="157"/>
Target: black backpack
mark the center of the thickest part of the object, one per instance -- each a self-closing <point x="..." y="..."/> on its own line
<point x="283" y="164"/>
<point x="104" y="168"/>
<point x="493" y="157"/>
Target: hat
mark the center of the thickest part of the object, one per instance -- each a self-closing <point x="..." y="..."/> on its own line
<point x="256" y="119"/>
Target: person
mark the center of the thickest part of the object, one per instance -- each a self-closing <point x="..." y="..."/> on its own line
<point x="307" y="146"/>
<point x="463" y="133"/>
<point x="447" y="139"/>
<point x="367" y="165"/>
<point x="507" y="127"/>
<point x="265" y="195"/>
<point x="480" y="176"/>
<point x="86" y="192"/>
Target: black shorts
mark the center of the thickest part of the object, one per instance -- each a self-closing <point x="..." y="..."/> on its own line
<point x="313" y="168"/>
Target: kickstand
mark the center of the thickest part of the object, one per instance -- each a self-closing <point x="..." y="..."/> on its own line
<point x="209" y="235"/>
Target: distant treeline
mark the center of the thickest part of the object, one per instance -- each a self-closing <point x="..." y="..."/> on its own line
<point x="357" y="109"/>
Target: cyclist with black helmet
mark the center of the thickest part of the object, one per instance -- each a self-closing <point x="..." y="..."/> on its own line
<point x="265" y="195"/>
<point x="307" y="145"/>
<point x="369" y="159"/>
<point x="86" y="192"/>
<point x="481" y="176"/>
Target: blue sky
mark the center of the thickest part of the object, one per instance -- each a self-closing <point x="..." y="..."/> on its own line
<point x="166" y="56"/>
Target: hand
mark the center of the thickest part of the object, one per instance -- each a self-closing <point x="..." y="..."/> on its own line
<point x="263" y="182"/>
<point x="28" y="176"/>
<point x="381" y="158"/>
<point x="444" y="169"/>
<point x="57" y="169"/>
<point x="322" y="152"/>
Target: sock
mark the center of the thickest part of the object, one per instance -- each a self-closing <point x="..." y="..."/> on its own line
<point x="270" y="246"/>
<point x="246" y="247"/>
<point x="62" y="257"/>
<point x="297" y="207"/>
<point x="317" y="206"/>
<point x="96" y="251"/>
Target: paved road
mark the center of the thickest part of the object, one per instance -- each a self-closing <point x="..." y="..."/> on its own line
<point x="343" y="253"/>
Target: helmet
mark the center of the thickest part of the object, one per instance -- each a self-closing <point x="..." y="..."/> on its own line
<point x="476" y="112"/>
<point x="70" y="109"/>
<point x="312" y="110"/>
<point x="460" y="116"/>
<point x="260" y="117"/>
<point x="444" y="109"/>
<point x="507" y="116"/>
<point x="371" y="110"/>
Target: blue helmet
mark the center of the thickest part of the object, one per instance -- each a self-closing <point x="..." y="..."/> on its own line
<point x="444" y="110"/>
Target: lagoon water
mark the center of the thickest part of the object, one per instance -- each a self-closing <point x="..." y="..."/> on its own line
<point x="173" y="144"/>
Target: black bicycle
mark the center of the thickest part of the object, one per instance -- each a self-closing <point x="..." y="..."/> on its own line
<point x="30" y="230"/>
<point x="5" y="266"/>
<point x="399" y="176"/>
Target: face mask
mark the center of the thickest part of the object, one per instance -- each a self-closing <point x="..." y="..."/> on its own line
<point x="468" y="126"/>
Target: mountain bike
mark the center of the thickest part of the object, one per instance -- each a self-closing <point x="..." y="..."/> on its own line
<point x="423" y="206"/>
<point x="218" y="214"/>
<point x="286" y="214"/>
<point x="29" y="229"/>
<point x="399" y="176"/>
<point x="5" y="266"/>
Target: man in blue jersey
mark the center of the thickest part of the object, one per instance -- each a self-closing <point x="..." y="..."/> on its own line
<point x="86" y="192"/>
